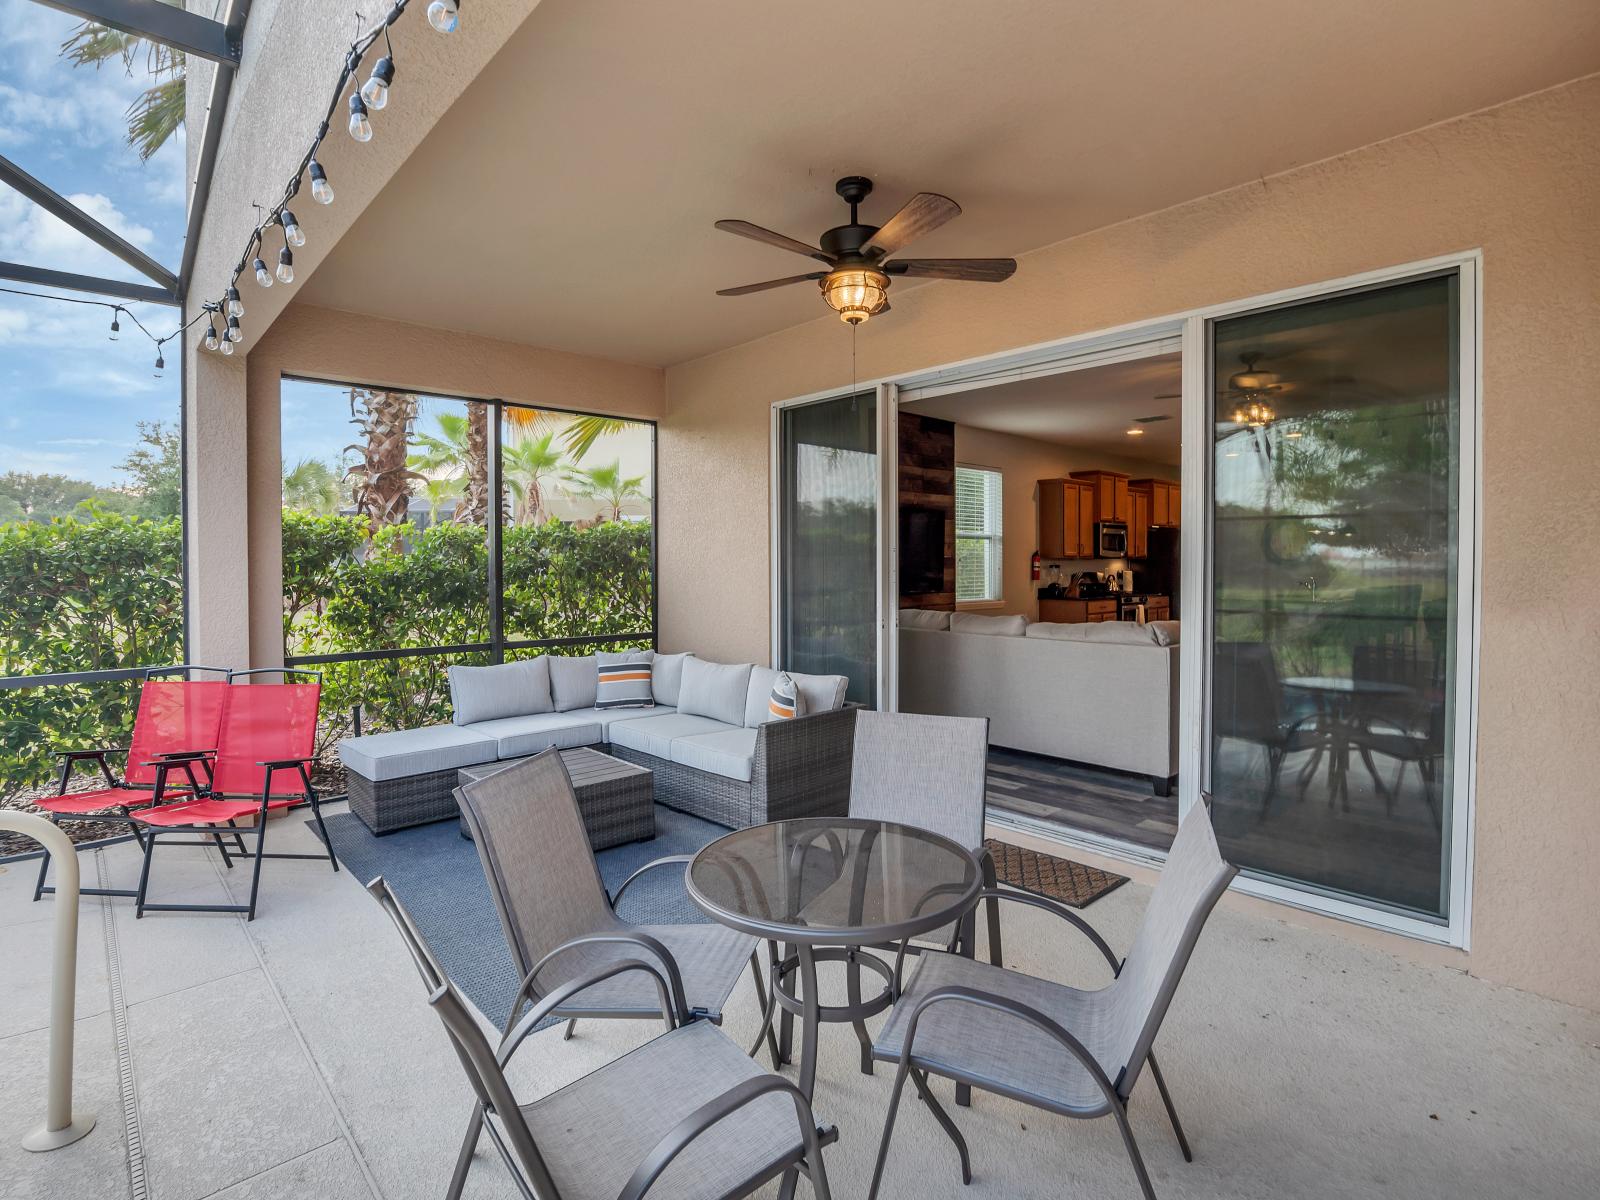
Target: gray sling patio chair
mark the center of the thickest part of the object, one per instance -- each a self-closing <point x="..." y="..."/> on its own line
<point x="686" y="1116"/>
<point x="561" y="925"/>
<point x="1072" y="1052"/>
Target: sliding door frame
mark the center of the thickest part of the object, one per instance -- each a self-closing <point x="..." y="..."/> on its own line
<point x="1190" y="331"/>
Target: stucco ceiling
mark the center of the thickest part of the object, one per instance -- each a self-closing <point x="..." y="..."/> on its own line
<point x="1090" y="410"/>
<point x="567" y="199"/>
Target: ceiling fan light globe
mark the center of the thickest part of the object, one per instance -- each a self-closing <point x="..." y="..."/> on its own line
<point x="856" y="293"/>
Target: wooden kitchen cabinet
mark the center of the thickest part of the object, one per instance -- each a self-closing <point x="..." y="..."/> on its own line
<point x="1066" y="518"/>
<point x="1166" y="500"/>
<point x="1077" y="612"/>
<point x="1111" y="501"/>
<point x="1138" y="521"/>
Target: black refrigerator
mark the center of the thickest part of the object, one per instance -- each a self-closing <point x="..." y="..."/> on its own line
<point x="1158" y="574"/>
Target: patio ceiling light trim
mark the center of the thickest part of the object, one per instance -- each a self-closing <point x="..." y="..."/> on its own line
<point x="165" y="23"/>
<point x="64" y="210"/>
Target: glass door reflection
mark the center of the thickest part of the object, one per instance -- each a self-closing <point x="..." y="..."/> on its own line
<point x="1334" y="535"/>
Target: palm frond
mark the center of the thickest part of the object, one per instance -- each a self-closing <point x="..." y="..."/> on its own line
<point x="155" y="116"/>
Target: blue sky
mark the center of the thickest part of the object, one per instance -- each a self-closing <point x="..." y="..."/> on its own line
<point x="70" y="397"/>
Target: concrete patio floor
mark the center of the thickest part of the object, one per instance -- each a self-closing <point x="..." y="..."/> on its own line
<point x="296" y="1057"/>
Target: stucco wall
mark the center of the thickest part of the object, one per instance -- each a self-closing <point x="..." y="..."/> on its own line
<point x="1521" y="182"/>
<point x="322" y="343"/>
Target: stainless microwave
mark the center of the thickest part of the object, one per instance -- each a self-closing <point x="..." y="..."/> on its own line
<point x="1110" y="539"/>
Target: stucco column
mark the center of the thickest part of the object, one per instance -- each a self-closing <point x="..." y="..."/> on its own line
<point x="216" y="512"/>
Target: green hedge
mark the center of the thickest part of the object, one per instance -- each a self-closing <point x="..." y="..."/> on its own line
<point x="103" y="592"/>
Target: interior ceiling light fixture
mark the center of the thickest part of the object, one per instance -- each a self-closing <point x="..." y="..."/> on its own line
<point x="856" y="283"/>
<point x="1135" y="432"/>
<point x="1255" y="414"/>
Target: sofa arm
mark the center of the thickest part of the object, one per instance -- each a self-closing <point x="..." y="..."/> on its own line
<point x="802" y="766"/>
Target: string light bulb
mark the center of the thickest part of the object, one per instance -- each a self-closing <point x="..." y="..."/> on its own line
<point x="444" y="15"/>
<point x="292" y="233"/>
<point x="360" y="127"/>
<point x="211" y="341"/>
<point x="263" y="276"/>
<point x="285" y="266"/>
<point x="225" y="346"/>
<point x="234" y="333"/>
<point x="115" y="328"/>
<point x="321" y="189"/>
<point x="375" y="92"/>
<point x="161" y="363"/>
<point x="234" y="306"/>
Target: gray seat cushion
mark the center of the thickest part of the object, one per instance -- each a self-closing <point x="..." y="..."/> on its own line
<point x="594" y="1133"/>
<point x="655" y="735"/>
<point x="408" y="752"/>
<point x="729" y="753"/>
<point x="517" y="736"/>
<point x="997" y="1051"/>
<point x="607" y="717"/>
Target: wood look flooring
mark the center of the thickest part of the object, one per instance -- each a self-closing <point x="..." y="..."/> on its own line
<point x="1106" y="803"/>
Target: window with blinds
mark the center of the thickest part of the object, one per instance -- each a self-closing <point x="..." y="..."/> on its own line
<point x="977" y="534"/>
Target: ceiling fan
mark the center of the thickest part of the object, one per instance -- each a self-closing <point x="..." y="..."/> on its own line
<point x="856" y="283"/>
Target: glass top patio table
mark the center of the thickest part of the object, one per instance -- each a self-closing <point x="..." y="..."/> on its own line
<point x="834" y="881"/>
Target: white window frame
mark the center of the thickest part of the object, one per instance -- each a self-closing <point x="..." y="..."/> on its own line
<point x="1190" y="331"/>
<point x="996" y="540"/>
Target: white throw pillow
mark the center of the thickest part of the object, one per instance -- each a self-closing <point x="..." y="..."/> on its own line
<point x="623" y="680"/>
<point x="573" y="681"/>
<point x="1007" y="626"/>
<point x="514" y="689"/>
<point x="785" y="702"/>
<point x="1166" y="632"/>
<point x="715" y="690"/>
<point x="924" y="618"/>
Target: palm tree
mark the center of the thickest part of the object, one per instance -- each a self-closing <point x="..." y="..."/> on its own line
<point x="525" y="464"/>
<point x="609" y="486"/>
<point x="578" y="433"/>
<point x="460" y="447"/>
<point x="436" y="492"/>
<point x="158" y="112"/>
<point x="383" y="477"/>
<point x="312" y="486"/>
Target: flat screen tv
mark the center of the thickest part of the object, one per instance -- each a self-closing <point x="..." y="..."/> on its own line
<point x="921" y="550"/>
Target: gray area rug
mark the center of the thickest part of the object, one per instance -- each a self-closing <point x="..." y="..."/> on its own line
<point x="436" y="874"/>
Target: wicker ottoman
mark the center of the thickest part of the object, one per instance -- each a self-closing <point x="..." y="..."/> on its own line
<point x="617" y="799"/>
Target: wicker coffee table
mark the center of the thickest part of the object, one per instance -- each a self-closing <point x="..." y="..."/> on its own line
<point x="617" y="799"/>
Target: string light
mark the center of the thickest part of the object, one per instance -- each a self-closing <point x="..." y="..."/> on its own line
<point x="285" y="266"/>
<point x="211" y="341"/>
<point x="360" y="126"/>
<point x="115" y="328"/>
<point x="292" y="233"/>
<point x="444" y="15"/>
<point x="321" y="189"/>
<point x="263" y="276"/>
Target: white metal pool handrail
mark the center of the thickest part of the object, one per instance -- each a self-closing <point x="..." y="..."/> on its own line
<point x="61" y="1127"/>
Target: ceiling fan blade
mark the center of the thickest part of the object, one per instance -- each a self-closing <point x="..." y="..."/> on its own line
<point x="771" y="283"/>
<point x="975" y="270"/>
<point x="921" y="214"/>
<point x="758" y="234"/>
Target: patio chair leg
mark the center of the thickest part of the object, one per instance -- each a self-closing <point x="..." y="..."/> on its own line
<point x="888" y="1129"/>
<point x="144" y="874"/>
<point x="227" y="859"/>
<point x="238" y="841"/>
<point x="1120" y="1111"/>
<point x="316" y="811"/>
<point x="255" y="874"/>
<point x="44" y="864"/>
<point x="949" y="1126"/>
<point x="469" y="1147"/>
<point x="572" y="1028"/>
<point x="1172" y="1112"/>
<point x="768" y="1003"/>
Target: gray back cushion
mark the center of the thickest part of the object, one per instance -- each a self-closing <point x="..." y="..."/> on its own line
<point x="514" y="689"/>
<point x="1002" y="626"/>
<point x="930" y="772"/>
<point x="758" y="699"/>
<point x="573" y="681"/>
<point x="666" y="676"/>
<point x="924" y="618"/>
<point x="820" y="693"/>
<point x="715" y="690"/>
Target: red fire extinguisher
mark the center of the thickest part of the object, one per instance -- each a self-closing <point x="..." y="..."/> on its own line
<point x="1034" y="566"/>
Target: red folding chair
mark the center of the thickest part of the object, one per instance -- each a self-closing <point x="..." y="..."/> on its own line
<point x="174" y="728"/>
<point x="264" y="751"/>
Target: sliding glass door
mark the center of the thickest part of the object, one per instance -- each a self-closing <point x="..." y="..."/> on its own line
<point x="1335" y="549"/>
<point x="828" y="489"/>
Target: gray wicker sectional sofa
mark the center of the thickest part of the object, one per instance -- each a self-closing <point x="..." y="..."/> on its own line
<point x="705" y="731"/>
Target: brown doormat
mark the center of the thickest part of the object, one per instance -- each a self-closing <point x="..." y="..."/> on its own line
<point x="1055" y="878"/>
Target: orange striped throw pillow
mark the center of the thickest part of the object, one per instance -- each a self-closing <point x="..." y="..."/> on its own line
<point x="786" y="701"/>
<point x="624" y="685"/>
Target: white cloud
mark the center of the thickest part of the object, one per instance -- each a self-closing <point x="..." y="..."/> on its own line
<point x="31" y="235"/>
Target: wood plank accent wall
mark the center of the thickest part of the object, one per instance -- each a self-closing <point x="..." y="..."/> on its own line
<point x="928" y="480"/>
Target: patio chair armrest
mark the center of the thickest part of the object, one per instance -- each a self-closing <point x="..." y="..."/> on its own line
<point x="1015" y="1008"/>
<point x="666" y="861"/>
<point x="178" y="758"/>
<point x="683" y="1134"/>
<point x="521" y="1029"/>
<point x="1062" y="911"/>
<point x="680" y="1003"/>
<point x="285" y="763"/>
<point x="75" y="755"/>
